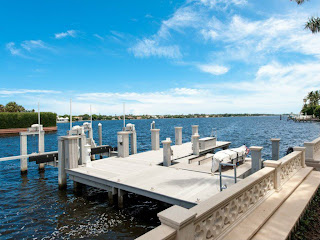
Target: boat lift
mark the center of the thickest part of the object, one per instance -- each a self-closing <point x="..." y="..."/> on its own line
<point x="234" y="165"/>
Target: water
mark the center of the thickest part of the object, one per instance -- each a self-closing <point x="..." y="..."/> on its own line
<point x="31" y="206"/>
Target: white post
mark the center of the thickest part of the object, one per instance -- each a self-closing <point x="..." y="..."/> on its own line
<point x="195" y="130"/>
<point x="87" y="157"/>
<point x="255" y="158"/>
<point x="178" y="135"/>
<point x="100" y="133"/>
<point x="134" y="142"/>
<point x="23" y="151"/>
<point x="195" y="144"/>
<point x="155" y="136"/>
<point x="70" y="116"/>
<point x="62" y="175"/>
<point x="71" y="151"/>
<point x="303" y="152"/>
<point x="123" y="144"/>
<point x="167" y="152"/>
<point x="275" y="148"/>
<point x="41" y="148"/>
<point x="83" y="143"/>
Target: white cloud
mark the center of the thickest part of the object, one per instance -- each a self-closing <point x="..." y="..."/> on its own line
<point x="69" y="33"/>
<point x="32" y="44"/>
<point x="98" y="36"/>
<point x="10" y="92"/>
<point x="213" y="69"/>
<point x="13" y="50"/>
<point x="148" y="48"/>
<point x="209" y="34"/>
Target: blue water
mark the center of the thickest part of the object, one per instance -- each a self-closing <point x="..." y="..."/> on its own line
<point x="31" y="206"/>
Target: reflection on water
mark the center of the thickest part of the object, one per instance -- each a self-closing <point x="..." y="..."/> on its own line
<point x="31" y="206"/>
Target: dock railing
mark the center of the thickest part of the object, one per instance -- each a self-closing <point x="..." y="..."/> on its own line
<point x="312" y="150"/>
<point x="218" y="215"/>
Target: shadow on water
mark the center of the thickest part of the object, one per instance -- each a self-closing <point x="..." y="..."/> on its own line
<point x="31" y="206"/>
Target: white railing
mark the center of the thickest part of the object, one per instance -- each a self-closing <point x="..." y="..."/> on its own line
<point x="312" y="149"/>
<point x="218" y="215"/>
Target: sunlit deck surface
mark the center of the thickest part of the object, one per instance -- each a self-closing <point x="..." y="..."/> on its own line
<point x="142" y="173"/>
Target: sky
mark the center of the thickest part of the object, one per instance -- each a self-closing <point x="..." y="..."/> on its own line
<point x="159" y="57"/>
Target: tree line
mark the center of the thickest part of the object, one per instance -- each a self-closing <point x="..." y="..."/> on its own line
<point x="311" y="104"/>
<point x="13" y="107"/>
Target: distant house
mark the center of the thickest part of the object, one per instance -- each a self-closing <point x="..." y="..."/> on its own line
<point x="139" y="117"/>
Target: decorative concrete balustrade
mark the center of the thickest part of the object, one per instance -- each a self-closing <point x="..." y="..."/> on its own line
<point x="218" y="215"/>
<point x="313" y="153"/>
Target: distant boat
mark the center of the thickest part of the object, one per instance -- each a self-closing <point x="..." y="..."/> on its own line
<point x="62" y="119"/>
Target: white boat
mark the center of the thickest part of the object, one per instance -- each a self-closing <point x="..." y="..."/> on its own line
<point x="233" y="155"/>
<point x="62" y="119"/>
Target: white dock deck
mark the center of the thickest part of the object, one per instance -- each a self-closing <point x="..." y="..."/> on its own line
<point x="141" y="174"/>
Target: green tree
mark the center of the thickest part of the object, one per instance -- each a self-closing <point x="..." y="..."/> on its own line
<point x="317" y="111"/>
<point x="313" y="23"/>
<point x="1" y="108"/>
<point x="14" y="107"/>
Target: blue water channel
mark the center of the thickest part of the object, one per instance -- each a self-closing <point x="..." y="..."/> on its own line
<point x="32" y="207"/>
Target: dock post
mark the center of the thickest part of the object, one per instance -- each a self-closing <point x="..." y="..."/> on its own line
<point x="123" y="144"/>
<point x="275" y="148"/>
<point x="155" y="142"/>
<point x="134" y="142"/>
<point x="23" y="151"/>
<point x="62" y="175"/>
<point x="41" y="150"/>
<point x="195" y="144"/>
<point x="121" y="194"/>
<point x="167" y="152"/>
<point x="83" y="153"/>
<point x="255" y="158"/>
<point x="178" y="135"/>
<point x="111" y="194"/>
<point x="87" y="155"/>
<point x="100" y="133"/>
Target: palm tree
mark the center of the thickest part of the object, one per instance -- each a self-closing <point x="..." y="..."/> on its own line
<point x="314" y="22"/>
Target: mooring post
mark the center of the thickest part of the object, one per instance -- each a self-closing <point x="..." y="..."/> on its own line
<point x="155" y="136"/>
<point x="195" y="144"/>
<point x="123" y="144"/>
<point x="100" y="133"/>
<point x="275" y="148"/>
<point x="62" y="175"/>
<point x="23" y="151"/>
<point x="134" y="142"/>
<point x="87" y="157"/>
<point x="178" y="135"/>
<point x="167" y="152"/>
<point x="255" y="158"/>
<point x="41" y="149"/>
<point x="83" y="153"/>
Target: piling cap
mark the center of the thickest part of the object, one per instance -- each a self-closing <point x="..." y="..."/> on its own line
<point x="99" y="124"/>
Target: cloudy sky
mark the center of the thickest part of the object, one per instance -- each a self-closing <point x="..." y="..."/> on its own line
<point x="160" y="57"/>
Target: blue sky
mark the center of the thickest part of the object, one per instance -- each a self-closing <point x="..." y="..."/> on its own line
<point x="160" y="57"/>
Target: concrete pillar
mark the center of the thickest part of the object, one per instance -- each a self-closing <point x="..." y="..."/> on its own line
<point x="277" y="176"/>
<point x="41" y="150"/>
<point x="82" y="144"/>
<point x="303" y="159"/>
<point x="111" y="194"/>
<point x="195" y="129"/>
<point x="153" y="125"/>
<point x="134" y="142"/>
<point x="180" y="219"/>
<point x="121" y="194"/>
<point x="167" y="152"/>
<point x="23" y="151"/>
<point x="275" y="148"/>
<point x="123" y="144"/>
<point x="195" y="144"/>
<point x="62" y="175"/>
<point x="71" y="151"/>
<point x="100" y="133"/>
<point x="178" y="135"/>
<point x="255" y="158"/>
<point x="87" y="156"/>
<point x="155" y="136"/>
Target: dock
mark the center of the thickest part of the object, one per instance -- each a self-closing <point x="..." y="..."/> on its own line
<point x="143" y="174"/>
